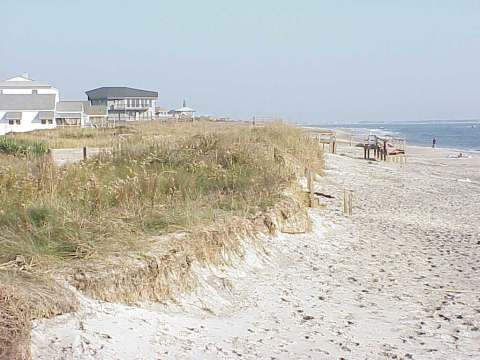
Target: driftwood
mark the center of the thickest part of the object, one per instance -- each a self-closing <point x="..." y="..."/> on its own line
<point x="324" y="195"/>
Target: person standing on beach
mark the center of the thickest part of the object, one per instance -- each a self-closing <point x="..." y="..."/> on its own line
<point x="434" y="143"/>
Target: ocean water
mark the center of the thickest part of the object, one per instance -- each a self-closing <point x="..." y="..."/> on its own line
<point x="461" y="136"/>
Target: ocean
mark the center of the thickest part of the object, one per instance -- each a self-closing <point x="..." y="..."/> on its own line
<point x="458" y="136"/>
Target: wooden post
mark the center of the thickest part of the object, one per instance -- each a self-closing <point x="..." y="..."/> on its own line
<point x="271" y="151"/>
<point x="49" y="155"/>
<point x="310" y="187"/>
<point x="347" y="202"/>
<point x="350" y="207"/>
<point x="85" y="153"/>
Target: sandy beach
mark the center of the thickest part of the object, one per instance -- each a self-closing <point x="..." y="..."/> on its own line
<point x="398" y="279"/>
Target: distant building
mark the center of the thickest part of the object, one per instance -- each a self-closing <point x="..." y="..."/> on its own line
<point x="95" y="115"/>
<point x="161" y="112"/>
<point x="26" y="105"/>
<point x="125" y="103"/>
<point x="210" y="117"/>
<point x="70" y="113"/>
<point x="185" y="113"/>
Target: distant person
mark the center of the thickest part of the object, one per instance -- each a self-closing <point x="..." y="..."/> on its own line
<point x="434" y="143"/>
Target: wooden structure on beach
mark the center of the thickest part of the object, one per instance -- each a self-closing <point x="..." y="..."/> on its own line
<point x="383" y="148"/>
<point x="386" y="148"/>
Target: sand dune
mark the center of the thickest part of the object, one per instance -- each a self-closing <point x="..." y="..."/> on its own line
<point x="367" y="286"/>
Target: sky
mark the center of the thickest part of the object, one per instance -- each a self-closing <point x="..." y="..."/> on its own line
<point x="307" y="61"/>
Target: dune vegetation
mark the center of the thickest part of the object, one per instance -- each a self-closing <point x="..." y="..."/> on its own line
<point x="167" y="177"/>
<point x="155" y="179"/>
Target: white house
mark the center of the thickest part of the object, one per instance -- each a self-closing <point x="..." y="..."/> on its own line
<point x="26" y="105"/>
<point x="185" y="113"/>
<point x="161" y="112"/>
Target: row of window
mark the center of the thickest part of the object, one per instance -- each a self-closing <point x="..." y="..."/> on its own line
<point x="134" y="102"/>
<point x="18" y="122"/>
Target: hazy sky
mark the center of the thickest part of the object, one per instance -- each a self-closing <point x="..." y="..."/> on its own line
<point x="306" y="61"/>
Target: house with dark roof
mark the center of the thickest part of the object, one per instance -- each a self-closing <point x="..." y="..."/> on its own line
<point x="124" y="103"/>
<point x="26" y="105"/>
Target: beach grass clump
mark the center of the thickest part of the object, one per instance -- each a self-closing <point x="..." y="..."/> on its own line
<point x="165" y="178"/>
<point x="294" y="141"/>
<point x="25" y="296"/>
<point x="21" y="147"/>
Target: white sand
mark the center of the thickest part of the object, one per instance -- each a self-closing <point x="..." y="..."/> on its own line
<point x="354" y="288"/>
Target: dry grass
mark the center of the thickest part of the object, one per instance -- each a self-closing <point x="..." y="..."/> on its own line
<point x="113" y="225"/>
<point x="25" y="296"/>
<point x="186" y="177"/>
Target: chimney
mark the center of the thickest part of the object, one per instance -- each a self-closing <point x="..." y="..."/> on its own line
<point x="25" y="75"/>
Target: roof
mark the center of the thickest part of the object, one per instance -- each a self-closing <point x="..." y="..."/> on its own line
<point x="70" y="106"/>
<point x="95" y="109"/>
<point x="185" y="109"/>
<point x="111" y="93"/>
<point x="21" y="82"/>
<point x="27" y="102"/>
<point x="45" y="115"/>
<point x="14" y="115"/>
<point x="159" y="108"/>
<point x="67" y="115"/>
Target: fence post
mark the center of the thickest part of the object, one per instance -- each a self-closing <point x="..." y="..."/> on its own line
<point x="85" y="153"/>
<point x="271" y="151"/>
<point x="310" y="187"/>
<point x="347" y="202"/>
<point x="350" y="207"/>
<point x="49" y="156"/>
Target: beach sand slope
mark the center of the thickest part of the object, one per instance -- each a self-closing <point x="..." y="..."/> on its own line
<point x="367" y="286"/>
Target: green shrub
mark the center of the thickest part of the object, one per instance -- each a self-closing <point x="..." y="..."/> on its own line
<point x="18" y="147"/>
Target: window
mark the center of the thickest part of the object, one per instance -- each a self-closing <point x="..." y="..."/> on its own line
<point x="10" y="122"/>
<point x="50" y="121"/>
<point x="18" y="121"/>
<point x="34" y="92"/>
<point x="44" y="121"/>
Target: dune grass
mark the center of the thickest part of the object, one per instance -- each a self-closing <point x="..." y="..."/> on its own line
<point x="167" y="177"/>
<point x="202" y="178"/>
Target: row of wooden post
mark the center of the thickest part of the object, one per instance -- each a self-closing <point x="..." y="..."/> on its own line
<point x="310" y="175"/>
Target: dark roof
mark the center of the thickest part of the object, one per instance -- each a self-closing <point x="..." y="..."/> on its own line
<point x="27" y="102"/>
<point x="111" y="93"/>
